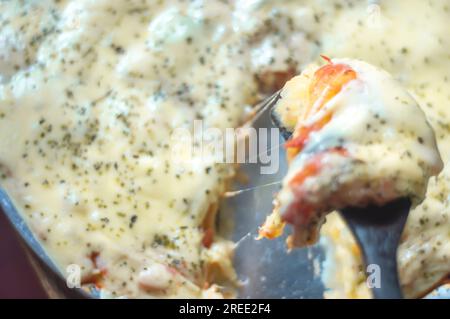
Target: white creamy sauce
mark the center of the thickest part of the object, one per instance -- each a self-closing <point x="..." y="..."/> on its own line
<point x="90" y="92"/>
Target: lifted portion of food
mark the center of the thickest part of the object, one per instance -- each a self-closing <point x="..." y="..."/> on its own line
<point x="358" y="139"/>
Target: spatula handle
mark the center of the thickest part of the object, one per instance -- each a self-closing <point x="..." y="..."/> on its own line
<point x="378" y="231"/>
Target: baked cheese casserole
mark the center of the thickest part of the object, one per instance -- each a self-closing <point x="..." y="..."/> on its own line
<point x="91" y="92"/>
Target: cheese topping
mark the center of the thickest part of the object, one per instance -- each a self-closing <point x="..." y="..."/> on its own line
<point x="91" y="93"/>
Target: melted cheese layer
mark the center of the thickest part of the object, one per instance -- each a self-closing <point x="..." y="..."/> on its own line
<point x="91" y="93"/>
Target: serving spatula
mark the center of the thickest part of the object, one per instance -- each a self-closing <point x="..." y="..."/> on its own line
<point x="377" y="229"/>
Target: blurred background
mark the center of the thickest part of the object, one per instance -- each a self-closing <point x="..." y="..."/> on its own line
<point x="17" y="278"/>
